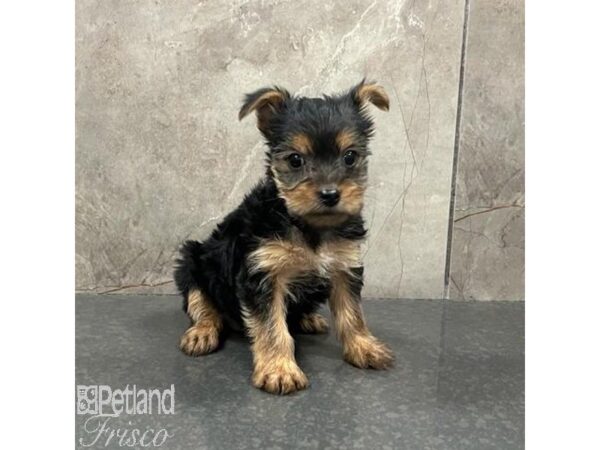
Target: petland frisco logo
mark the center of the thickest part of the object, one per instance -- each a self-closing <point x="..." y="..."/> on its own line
<point x="105" y="405"/>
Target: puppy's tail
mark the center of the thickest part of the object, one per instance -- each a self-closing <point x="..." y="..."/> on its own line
<point x="186" y="268"/>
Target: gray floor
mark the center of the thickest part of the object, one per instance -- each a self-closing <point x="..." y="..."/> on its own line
<point x="458" y="381"/>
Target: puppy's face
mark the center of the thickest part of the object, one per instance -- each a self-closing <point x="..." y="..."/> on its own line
<point x="318" y="149"/>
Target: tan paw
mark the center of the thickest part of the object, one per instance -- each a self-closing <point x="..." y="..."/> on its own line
<point x="199" y="340"/>
<point x="314" y="324"/>
<point x="368" y="352"/>
<point x="282" y="378"/>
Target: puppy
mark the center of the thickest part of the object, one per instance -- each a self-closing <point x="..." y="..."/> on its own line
<point x="293" y="243"/>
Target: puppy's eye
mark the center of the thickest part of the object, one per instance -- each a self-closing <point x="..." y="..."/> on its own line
<point x="295" y="160"/>
<point x="350" y="158"/>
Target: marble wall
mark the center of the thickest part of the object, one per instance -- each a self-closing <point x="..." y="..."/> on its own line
<point x="488" y="248"/>
<point x="161" y="157"/>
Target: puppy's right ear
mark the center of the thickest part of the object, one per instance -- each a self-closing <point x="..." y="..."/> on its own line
<point x="266" y="102"/>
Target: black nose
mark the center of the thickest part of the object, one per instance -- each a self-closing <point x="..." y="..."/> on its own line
<point x="329" y="197"/>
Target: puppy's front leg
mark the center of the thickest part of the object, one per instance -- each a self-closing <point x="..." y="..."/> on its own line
<point x="275" y="367"/>
<point x="361" y="348"/>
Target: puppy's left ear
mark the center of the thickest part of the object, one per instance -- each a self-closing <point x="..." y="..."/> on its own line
<point x="370" y="92"/>
<point x="266" y="102"/>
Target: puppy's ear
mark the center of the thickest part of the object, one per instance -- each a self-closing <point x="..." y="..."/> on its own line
<point x="370" y="92"/>
<point x="266" y="102"/>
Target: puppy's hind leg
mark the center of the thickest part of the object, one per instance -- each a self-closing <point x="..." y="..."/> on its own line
<point x="313" y="323"/>
<point x="203" y="336"/>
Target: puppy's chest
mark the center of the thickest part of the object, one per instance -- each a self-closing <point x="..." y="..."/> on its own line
<point x="293" y="257"/>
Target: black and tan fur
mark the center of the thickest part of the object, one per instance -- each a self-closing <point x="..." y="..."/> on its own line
<point x="294" y="242"/>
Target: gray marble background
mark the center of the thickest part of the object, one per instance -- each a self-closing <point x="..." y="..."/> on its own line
<point x="161" y="157"/>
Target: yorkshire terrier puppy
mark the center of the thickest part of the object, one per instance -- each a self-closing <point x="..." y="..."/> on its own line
<point x="293" y="243"/>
